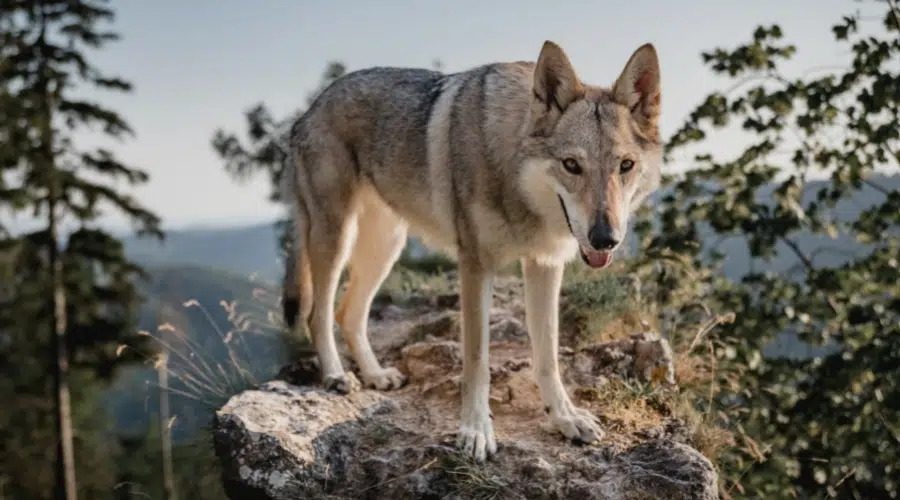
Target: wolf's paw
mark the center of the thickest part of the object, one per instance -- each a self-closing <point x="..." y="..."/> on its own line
<point x="577" y="424"/>
<point x="476" y="435"/>
<point x="337" y="383"/>
<point x="385" y="379"/>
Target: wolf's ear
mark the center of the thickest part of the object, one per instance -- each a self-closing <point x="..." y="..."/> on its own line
<point x="556" y="86"/>
<point x="638" y="86"/>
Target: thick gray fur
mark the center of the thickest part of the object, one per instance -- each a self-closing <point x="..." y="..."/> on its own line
<point x="503" y="162"/>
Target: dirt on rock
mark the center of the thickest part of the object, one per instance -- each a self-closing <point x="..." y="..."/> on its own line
<point x="291" y="439"/>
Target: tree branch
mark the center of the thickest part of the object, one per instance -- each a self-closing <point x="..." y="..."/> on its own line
<point x="807" y="263"/>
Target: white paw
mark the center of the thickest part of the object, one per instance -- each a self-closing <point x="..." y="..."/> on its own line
<point x="577" y="424"/>
<point x="476" y="435"/>
<point x="384" y="379"/>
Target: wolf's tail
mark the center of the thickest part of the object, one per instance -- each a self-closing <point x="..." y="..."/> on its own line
<point x="297" y="284"/>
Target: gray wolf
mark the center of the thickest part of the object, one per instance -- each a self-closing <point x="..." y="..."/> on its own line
<point x="503" y="162"/>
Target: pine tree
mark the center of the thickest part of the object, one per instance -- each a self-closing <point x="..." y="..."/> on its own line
<point x="76" y="292"/>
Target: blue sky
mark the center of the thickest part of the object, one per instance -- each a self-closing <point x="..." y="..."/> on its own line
<point x="197" y="65"/>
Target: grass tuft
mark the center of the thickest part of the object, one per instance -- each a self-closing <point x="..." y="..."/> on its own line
<point x="598" y="306"/>
<point x="469" y="479"/>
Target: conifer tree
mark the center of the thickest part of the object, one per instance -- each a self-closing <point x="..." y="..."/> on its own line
<point x="75" y="292"/>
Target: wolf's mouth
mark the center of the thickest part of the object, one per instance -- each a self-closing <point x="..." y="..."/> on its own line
<point x="597" y="259"/>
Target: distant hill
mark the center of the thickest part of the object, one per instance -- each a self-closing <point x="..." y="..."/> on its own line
<point x="243" y="250"/>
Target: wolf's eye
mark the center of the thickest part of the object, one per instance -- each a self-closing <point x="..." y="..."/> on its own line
<point x="571" y="165"/>
<point x="626" y="166"/>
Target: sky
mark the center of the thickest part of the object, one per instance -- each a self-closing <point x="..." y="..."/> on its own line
<point x="199" y="65"/>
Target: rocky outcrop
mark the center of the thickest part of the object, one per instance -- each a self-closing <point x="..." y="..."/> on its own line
<point x="290" y="439"/>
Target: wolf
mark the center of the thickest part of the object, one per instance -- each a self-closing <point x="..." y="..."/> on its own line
<point x="508" y="161"/>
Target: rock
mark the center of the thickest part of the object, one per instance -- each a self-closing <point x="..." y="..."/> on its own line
<point x="442" y="324"/>
<point x="273" y="439"/>
<point x="431" y="360"/>
<point x="287" y="442"/>
<point x="645" y="356"/>
<point x="291" y="439"/>
<point x="504" y="326"/>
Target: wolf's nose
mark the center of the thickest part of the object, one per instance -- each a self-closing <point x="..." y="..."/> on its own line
<point x="602" y="238"/>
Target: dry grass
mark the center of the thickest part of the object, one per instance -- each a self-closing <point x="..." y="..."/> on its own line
<point x="605" y="308"/>
<point x="402" y="284"/>
<point x="597" y="306"/>
<point x="472" y="480"/>
<point x="628" y="407"/>
<point x="680" y="310"/>
<point x="242" y="346"/>
<point x="195" y="370"/>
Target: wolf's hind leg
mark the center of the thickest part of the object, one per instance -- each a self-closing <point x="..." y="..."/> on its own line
<point x="380" y="239"/>
<point x="296" y="300"/>
<point x="329" y="209"/>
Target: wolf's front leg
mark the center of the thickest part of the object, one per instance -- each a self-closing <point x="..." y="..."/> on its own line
<point x="542" y="287"/>
<point x="476" y="431"/>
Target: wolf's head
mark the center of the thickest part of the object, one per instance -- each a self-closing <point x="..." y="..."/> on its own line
<point x="593" y="154"/>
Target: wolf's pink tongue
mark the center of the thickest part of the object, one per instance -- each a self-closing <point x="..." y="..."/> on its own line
<point x="598" y="259"/>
